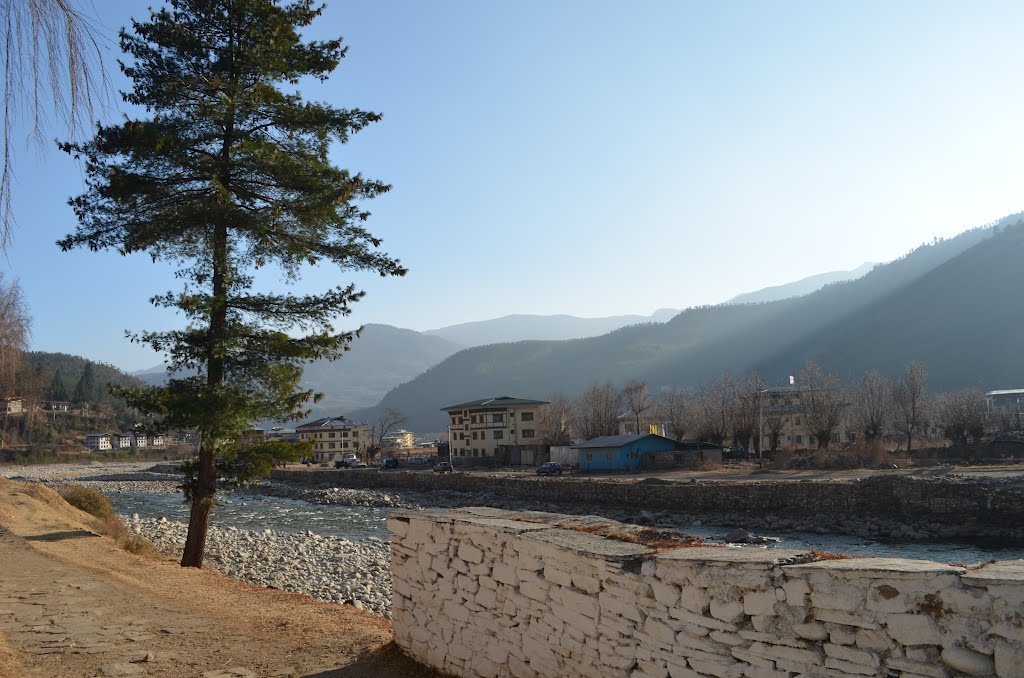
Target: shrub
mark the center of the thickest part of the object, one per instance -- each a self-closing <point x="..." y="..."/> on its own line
<point x="89" y="500"/>
<point x="137" y="544"/>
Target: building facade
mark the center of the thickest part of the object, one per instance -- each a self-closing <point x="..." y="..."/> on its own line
<point x="492" y="426"/>
<point x="98" y="442"/>
<point x="400" y="438"/>
<point x="332" y="437"/>
<point x="783" y="414"/>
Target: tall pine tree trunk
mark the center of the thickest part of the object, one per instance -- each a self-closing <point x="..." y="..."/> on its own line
<point x="202" y="504"/>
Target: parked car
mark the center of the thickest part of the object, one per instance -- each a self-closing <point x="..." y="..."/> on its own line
<point x="389" y="463"/>
<point x="443" y="467"/>
<point x="418" y="461"/>
<point x="551" y="468"/>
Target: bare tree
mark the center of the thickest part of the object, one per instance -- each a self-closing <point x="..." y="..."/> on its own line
<point x="713" y="410"/>
<point x="961" y="415"/>
<point x="388" y="420"/>
<point x="821" y="396"/>
<point x="637" y="401"/>
<point x="556" y="421"/>
<point x="872" y="406"/>
<point x="773" y="420"/>
<point x="908" y="396"/>
<point x="673" y="409"/>
<point x="51" y="52"/>
<point x="597" y="411"/>
<point x="14" y="332"/>
<point x="747" y="411"/>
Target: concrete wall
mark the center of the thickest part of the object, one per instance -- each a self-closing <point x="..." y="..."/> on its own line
<point x="483" y="592"/>
<point x="945" y="509"/>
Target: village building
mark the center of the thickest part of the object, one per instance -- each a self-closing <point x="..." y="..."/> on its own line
<point x="332" y="437"/>
<point x="11" y="405"/>
<point x="401" y="438"/>
<point x="503" y="430"/>
<point x="98" y="442"/>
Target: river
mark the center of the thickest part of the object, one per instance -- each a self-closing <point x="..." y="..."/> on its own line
<point x="258" y="512"/>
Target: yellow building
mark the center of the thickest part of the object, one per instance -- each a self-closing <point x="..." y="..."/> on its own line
<point x="332" y="437"/>
<point x="484" y="428"/>
<point x="400" y="438"/>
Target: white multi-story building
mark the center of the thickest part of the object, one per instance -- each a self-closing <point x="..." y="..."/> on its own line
<point x="98" y="441"/>
<point x="333" y="436"/>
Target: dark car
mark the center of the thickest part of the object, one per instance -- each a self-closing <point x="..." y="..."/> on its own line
<point x="443" y="467"/>
<point x="389" y="463"/>
<point x="552" y="468"/>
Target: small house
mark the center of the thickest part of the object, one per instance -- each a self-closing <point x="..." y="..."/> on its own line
<point x="622" y="452"/>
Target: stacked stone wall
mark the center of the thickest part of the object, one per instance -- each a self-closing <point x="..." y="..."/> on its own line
<point x="960" y="508"/>
<point x="484" y="592"/>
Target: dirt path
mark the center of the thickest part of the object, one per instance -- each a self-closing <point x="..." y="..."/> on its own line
<point x="73" y="604"/>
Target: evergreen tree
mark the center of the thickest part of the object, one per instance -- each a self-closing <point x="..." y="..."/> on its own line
<point x="85" y="389"/>
<point x="58" y="389"/>
<point x="230" y="174"/>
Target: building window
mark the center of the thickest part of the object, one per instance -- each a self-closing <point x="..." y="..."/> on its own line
<point x="498" y="435"/>
<point x="474" y="435"/>
<point x="453" y="421"/>
<point x="498" y="418"/>
<point x="483" y="435"/>
<point x="476" y="452"/>
<point x="799" y="440"/>
<point x="526" y="416"/>
<point x="590" y="456"/>
<point x="331" y="434"/>
<point x="527" y="432"/>
<point x="330" y="445"/>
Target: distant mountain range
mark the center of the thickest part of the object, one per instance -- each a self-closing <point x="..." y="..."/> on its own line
<point x="953" y="304"/>
<point x="543" y="327"/>
<point x="801" y="287"/>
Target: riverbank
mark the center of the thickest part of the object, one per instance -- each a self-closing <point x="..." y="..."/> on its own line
<point x="73" y="604"/>
<point x="901" y="507"/>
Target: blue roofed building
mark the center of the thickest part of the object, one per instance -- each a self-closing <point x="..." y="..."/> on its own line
<point x="642" y="452"/>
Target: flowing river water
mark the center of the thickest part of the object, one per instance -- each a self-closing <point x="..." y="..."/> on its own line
<point x="259" y="512"/>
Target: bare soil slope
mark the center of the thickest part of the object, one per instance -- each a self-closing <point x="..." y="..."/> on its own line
<point x="73" y="604"/>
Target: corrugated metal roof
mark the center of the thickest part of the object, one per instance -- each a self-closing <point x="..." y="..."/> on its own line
<point x="501" y="401"/>
<point x="1009" y="391"/>
<point x="618" y="441"/>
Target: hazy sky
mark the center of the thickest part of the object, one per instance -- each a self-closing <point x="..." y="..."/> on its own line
<point x="601" y="158"/>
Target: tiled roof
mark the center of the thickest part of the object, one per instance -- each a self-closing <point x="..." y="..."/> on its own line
<point x="327" y="423"/>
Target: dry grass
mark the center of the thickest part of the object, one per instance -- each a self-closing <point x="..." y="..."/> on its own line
<point x="818" y="556"/>
<point x="107" y="522"/>
<point x="658" y="540"/>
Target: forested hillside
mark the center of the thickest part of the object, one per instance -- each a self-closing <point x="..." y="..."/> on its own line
<point x="936" y="304"/>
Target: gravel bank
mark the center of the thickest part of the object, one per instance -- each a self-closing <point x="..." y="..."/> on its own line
<point x="326" y="568"/>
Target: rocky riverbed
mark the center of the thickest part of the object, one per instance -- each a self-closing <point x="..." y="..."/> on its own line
<point x="333" y="569"/>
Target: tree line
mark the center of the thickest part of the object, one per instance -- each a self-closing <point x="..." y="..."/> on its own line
<point x="744" y="411"/>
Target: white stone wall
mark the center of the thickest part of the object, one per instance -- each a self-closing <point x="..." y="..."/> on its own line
<point x="482" y="592"/>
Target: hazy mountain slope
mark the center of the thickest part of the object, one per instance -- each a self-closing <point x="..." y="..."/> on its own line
<point x="381" y="358"/>
<point x="963" y="320"/>
<point x="543" y="327"/>
<point x="692" y="348"/>
<point x="799" y="288"/>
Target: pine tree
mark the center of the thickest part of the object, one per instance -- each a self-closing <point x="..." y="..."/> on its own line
<point x="85" y="389"/>
<point x="230" y="174"/>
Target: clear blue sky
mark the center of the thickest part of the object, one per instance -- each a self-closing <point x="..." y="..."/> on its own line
<point x="600" y="158"/>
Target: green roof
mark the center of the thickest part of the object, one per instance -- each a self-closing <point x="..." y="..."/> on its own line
<point x="502" y="401"/>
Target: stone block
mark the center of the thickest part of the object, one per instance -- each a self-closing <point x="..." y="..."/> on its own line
<point x="729" y="639"/>
<point x="844" y="618"/>
<point x="919" y="668"/>
<point x="838" y="665"/>
<point x="702" y="621"/>
<point x="813" y="631"/>
<point x="1009" y="659"/>
<point x="796" y="590"/>
<point x="853" y="656"/>
<point x="869" y="639"/>
<point x="759" y="603"/>
<point x="694" y="599"/>
<point x="751" y="658"/>
<point x="968" y="661"/>
<point x="913" y="629"/>
<point x="666" y="594"/>
<point x="716" y="669"/>
<point x="613" y="605"/>
<point x="727" y="611"/>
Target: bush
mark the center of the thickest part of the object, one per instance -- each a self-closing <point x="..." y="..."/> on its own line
<point x="137" y="544"/>
<point x="89" y="500"/>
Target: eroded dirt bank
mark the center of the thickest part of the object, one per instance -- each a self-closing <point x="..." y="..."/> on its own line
<point x="73" y="604"/>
